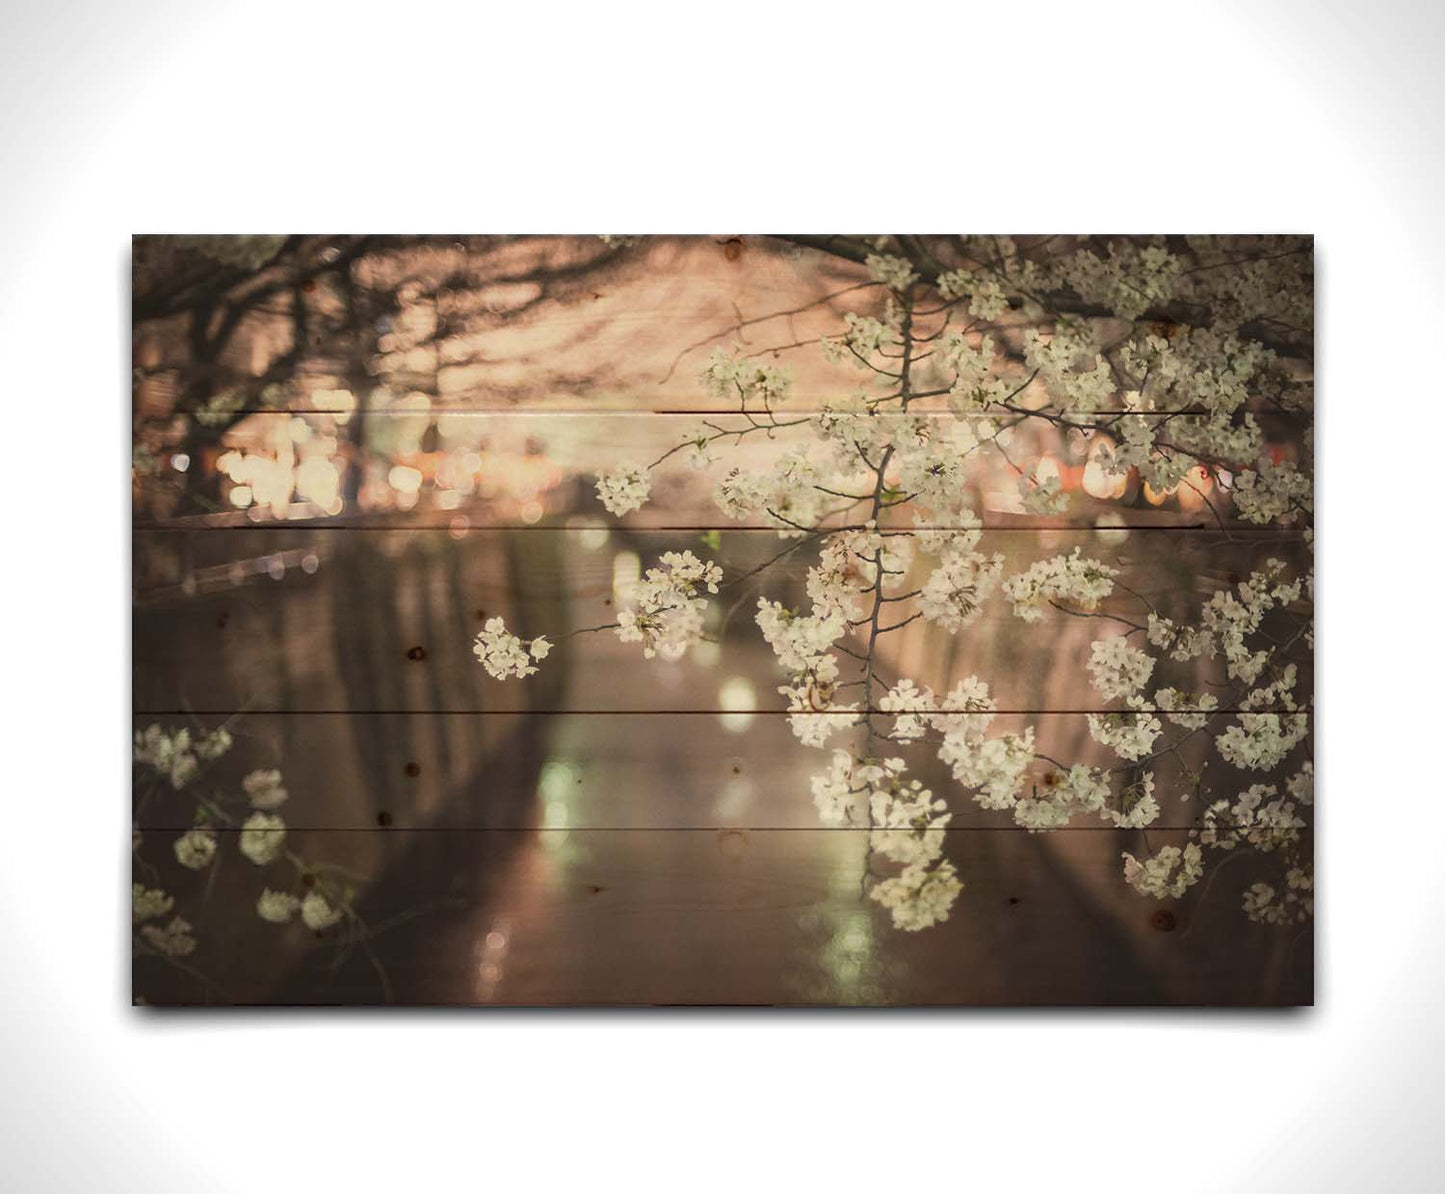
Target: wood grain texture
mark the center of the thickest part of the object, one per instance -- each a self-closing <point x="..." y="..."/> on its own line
<point x="383" y="620"/>
<point x="664" y="770"/>
<point x="733" y="916"/>
<point x="505" y="468"/>
<point x="351" y="454"/>
<point x="503" y="323"/>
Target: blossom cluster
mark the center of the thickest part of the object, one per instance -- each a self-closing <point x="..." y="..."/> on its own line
<point x="260" y="837"/>
<point x="954" y="593"/>
<point x="788" y="496"/>
<point x="624" y="490"/>
<point x="907" y="824"/>
<point x="1259" y="817"/>
<point x="726" y="375"/>
<point x="1073" y="578"/>
<point x="1168" y="874"/>
<point x="1117" y="669"/>
<point x="176" y="755"/>
<point x="667" y="609"/>
<point x="1294" y="902"/>
<point x="1086" y="341"/>
<point x="503" y="654"/>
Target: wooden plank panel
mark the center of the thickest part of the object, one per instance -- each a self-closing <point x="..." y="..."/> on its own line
<point x="628" y="771"/>
<point x="385" y="620"/>
<point x="723" y="917"/>
<point x="349" y="453"/>
<point x="502" y="323"/>
<point x="487" y="323"/>
<point x="433" y="468"/>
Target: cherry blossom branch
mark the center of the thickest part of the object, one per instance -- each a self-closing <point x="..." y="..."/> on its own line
<point x="743" y="323"/>
<point x="1076" y="613"/>
<point x="703" y="441"/>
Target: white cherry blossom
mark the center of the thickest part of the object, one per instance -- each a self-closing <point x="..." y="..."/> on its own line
<point x="624" y="490"/>
<point x="262" y="836"/>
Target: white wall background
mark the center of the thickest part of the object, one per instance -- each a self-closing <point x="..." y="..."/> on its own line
<point x="189" y="117"/>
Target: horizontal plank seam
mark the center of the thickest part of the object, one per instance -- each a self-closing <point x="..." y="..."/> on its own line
<point x="295" y="828"/>
<point x="1234" y="534"/>
<point x="714" y="412"/>
<point x="251" y="711"/>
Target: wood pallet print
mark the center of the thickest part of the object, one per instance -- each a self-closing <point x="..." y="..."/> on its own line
<point x="722" y="620"/>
